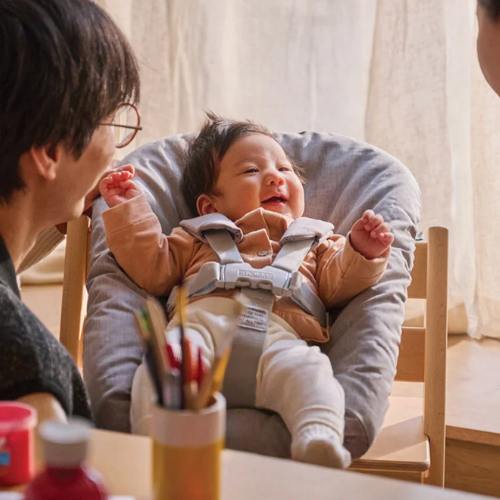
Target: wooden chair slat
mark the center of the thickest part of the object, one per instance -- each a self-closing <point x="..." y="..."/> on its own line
<point x="411" y="358"/>
<point x="418" y="286"/>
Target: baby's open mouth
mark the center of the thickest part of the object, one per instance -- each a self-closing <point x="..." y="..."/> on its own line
<point x="275" y="199"/>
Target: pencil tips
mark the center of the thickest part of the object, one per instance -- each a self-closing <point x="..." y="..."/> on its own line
<point x="181" y="376"/>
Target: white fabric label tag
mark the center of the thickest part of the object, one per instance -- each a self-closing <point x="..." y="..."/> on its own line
<point x="254" y="318"/>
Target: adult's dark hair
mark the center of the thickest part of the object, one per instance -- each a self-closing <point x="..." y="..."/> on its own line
<point x="492" y="8"/>
<point x="206" y="151"/>
<point x="64" y="67"/>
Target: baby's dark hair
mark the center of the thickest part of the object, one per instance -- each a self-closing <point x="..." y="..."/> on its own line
<point x="208" y="148"/>
<point x="492" y="8"/>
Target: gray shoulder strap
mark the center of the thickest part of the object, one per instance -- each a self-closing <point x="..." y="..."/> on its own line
<point x="219" y="232"/>
<point x="223" y="245"/>
<point x="298" y="239"/>
<point x="197" y="226"/>
<point x="305" y="228"/>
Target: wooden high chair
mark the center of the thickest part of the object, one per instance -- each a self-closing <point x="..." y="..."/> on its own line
<point x="411" y="443"/>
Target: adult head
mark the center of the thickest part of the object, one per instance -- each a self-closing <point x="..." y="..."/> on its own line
<point x="234" y="167"/>
<point x="65" y="68"/>
<point x="488" y="41"/>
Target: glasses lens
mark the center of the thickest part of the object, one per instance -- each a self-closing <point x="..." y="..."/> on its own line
<point x="126" y="116"/>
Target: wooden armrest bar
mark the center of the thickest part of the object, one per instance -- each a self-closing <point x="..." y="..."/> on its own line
<point x="75" y="272"/>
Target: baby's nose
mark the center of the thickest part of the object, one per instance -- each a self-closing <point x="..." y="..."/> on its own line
<point x="275" y="178"/>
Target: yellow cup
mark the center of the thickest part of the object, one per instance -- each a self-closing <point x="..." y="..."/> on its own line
<point x="187" y="449"/>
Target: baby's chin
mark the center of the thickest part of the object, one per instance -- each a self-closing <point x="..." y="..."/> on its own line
<point x="282" y="209"/>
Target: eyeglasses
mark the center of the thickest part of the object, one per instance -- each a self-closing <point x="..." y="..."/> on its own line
<point x="126" y="122"/>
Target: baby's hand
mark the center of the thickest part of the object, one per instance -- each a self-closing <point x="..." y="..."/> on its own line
<point x="118" y="187"/>
<point x="370" y="235"/>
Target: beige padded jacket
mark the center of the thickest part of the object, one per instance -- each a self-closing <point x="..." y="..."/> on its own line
<point x="157" y="262"/>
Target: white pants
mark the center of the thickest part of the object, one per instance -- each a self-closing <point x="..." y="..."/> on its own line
<point x="293" y="379"/>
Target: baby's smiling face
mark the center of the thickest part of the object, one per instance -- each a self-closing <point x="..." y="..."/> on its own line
<point x="255" y="172"/>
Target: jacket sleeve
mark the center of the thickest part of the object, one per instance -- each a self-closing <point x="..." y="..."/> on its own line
<point x="153" y="260"/>
<point x="342" y="272"/>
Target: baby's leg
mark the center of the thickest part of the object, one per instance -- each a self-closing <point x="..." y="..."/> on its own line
<point x="297" y="382"/>
<point x="142" y="399"/>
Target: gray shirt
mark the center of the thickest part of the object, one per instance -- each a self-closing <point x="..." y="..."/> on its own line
<point x="31" y="358"/>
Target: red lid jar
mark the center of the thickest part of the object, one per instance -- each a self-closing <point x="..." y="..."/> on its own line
<point x="17" y="421"/>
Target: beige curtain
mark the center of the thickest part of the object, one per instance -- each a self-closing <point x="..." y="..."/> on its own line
<point x="401" y="74"/>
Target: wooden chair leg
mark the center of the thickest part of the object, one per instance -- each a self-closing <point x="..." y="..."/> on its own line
<point x="435" y="351"/>
<point x="75" y="271"/>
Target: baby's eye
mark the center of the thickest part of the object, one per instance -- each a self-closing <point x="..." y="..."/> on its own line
<point x="250" y="170"/>
<point x="285" y="168"/>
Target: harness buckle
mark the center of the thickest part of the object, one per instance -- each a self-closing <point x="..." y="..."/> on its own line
<point x="243" y="275"/>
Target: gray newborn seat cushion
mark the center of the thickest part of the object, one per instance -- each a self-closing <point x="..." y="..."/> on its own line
<point x="344" y="178"/>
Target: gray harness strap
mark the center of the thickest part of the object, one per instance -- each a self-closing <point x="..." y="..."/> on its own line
<point x="240" y="382"/>
<point x="223" y="245"/>
<point x="291" y="253"/>
<point x="298" y="239"/>
<point x="259" y="288"/>
<point x="239" y="389"/>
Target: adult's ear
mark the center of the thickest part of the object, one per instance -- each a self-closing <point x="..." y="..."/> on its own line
<point x="205" y="205"/>
<point x="44" y="160"/>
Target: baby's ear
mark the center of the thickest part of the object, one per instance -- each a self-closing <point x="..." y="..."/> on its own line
<point x="205" y="205"/>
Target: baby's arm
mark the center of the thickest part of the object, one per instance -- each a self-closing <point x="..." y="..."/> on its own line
<point x="153" y="260"/>
<point x="347" y="266"/>
<point x="118" y="187"/>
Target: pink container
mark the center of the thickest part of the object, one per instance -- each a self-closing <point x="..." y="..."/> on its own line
<point x="17" y="421"/>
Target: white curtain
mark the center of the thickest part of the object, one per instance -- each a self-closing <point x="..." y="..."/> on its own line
<point x="400" y="74"/>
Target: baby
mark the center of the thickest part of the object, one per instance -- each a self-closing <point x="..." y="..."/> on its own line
<point x="239" y="170"/>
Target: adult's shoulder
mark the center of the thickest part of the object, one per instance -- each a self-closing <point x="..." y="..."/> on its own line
<point x="32" y="359"/>
<point x="19" y="327"/>
<point x="27" y="348"/>
<point x="12" y="315"/>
